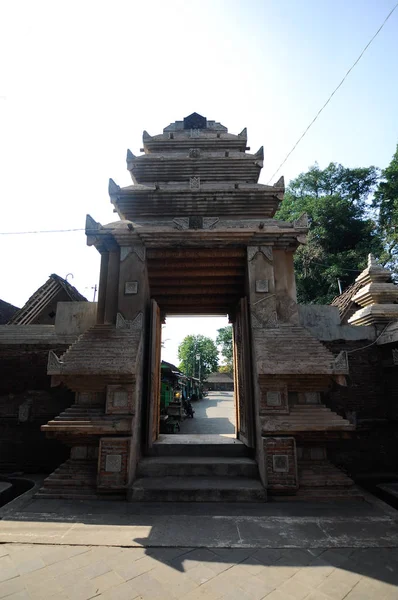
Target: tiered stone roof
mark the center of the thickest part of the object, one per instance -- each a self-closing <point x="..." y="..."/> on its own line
<point x="101" y="350"/>
<point x="289" y="350"/>
<point x="377" y="295"/>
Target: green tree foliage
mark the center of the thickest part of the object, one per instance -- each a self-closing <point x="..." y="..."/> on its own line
<point x="342" y="232"/>
<point x="224" y="339"/>
<point x="193" y="346"/>
<point x="386" y="200"/>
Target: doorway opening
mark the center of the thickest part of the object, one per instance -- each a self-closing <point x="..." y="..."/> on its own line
<point x="197" y="397"/>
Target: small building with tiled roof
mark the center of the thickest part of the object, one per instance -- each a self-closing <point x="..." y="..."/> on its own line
<point x="217" y="382"/>
<point x="41" y="307"/>
<point x="345" y="303"/>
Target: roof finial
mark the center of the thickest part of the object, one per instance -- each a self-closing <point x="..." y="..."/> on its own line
<point x="372" y="262"/>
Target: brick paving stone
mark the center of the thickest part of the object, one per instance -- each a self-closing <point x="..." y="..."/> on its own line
<point x="201" y="573"/>
<point x="7" y="568"/>
<point x="334" y="589"/>
<point x="295" y="557"/>
<point x="178" y="583"/>
<point x="295" y="589"/>
<point x="195" y="558"/>
<point x="253" y="566"/>
<point x="267" y="556"/>
<point x="81" y="590"/>
<point x="106" y="581"/>
<point x="147" y="587"/>
<point x="22" y="595"/>
<point x="316" y="595"/>
<point x="277" y="595"/>
<point x="255" y="588"/>
<point x="123" y="591"/>
<point x="11" y="587"/>
<point x="129" y="569"/>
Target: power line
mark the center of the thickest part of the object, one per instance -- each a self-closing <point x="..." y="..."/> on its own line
<point x="333" y="93"/>
<point x="42" y="231"/>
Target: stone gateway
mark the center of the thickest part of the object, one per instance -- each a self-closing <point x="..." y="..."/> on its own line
<point x="196" y="235"/>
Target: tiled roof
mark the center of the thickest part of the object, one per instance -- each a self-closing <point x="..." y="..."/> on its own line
<point x="344" y="301"/>
<point x="45" y="294"/>
<point x="293" y="351"/>
<point x="220" y="378"/>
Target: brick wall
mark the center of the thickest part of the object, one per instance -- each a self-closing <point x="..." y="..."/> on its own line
<point x="26" y="402"/>
<point x="365" y="392"/>
<point x="281" y="464"/>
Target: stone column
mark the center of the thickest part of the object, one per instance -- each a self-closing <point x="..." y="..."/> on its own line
<point x="285" y="287"/>
<point x="102" y="287"/>
<point x="261" y="287"/>
<point x="133" y="292"/>
<point x="112" y="285"/>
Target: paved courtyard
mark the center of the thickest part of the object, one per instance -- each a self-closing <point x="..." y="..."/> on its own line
<point x="116" y="573"/>
<point x="215" y="413"/>
<point x="168" y="551"/>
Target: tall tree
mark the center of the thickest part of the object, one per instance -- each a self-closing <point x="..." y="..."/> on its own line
<point x="386" y="200"/>
<point x="224" y="339"/>
<point x="342" y="232"/>
<point x="198" y="353"/>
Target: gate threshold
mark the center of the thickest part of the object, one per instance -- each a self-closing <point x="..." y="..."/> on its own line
<point x="197" y="439"/>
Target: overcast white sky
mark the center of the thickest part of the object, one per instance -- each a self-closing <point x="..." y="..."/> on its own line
<point x="80" y="81"/>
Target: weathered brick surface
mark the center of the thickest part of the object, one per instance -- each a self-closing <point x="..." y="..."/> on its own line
<point x="281" y="482"/>
<point x="26" y="402"/>
<point x="110" y="448"/>
<point x="365" y="392"/>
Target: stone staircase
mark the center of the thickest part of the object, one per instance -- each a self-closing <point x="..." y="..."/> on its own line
<point x="204" y="472"/>
<point x="321" y="480"/>
<point x="74" y="479"/>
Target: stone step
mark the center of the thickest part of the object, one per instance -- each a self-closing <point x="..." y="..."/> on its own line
<point x="62" y="495"/>
<point x="198" y="445"/>
<point x="62" y="482"/>
<point x="196" y="489"/>
<point x="197" y="466"/>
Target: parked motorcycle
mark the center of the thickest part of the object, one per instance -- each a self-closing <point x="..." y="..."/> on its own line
<point x="189" y="411"/>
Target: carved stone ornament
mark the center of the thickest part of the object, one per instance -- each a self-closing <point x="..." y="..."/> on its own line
<point x="267" y="251"/>
<point x="140" y="252"/>
<point x="113" y="463"/>
<point x="273" y="398"/>
<point x="181" y="223"/>
<point x="256" y="323"/>
<point x="195" y="133"/>
<point x="130" y="288"/>
<point x="252" y="251"/>
<point x="122" y="323"/>
<point x="194" y="153"/>
<point x="341" y="362"/>
<point x="280" y="463"/>
<point x="301" y="222"/>
<point x="124" y="252"/>
<point x="261" y="286"/>
<point x="270" y="424"/>
<point x="210" y="222"/>
<point x="395" y="356"/>
<point x="53" y="363"/>
<point x="194" y="183"/>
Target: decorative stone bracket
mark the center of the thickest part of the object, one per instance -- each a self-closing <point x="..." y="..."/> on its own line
<point x="340" y="364"/>
<point x="54" y="364"/>
<point x="136" y="323"/>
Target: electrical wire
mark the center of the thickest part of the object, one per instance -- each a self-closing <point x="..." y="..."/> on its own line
<point x="42" y="231"/>
<point x="372" y="344"/>
<point x="333" y="93"/>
